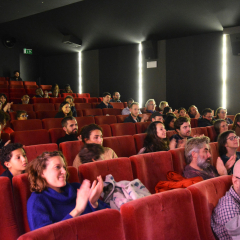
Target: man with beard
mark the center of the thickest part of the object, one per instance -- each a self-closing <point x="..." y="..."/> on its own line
<point x="134" y="112"/>
<point x="198" y="157"/>
<point x="183" y="128"/>
<point x="70" y="127"/>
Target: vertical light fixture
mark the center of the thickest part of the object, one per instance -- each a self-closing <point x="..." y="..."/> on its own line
<point x="224" y="72"/>
<point x="140" y="74"/>
<point x="80" y="72"/>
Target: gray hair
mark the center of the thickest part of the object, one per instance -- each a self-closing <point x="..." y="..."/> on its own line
<point x="148" y="101"/>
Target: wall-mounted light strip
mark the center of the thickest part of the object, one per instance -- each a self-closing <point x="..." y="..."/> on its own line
<point x="140" y="75"/>
<point x="80" y="72"/>
<point x="224" y="72"/>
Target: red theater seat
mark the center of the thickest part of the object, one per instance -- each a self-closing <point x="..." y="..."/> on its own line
<point x="92" y="99"/>
<point x="80" y="106"/>
<point x="26" y="125"/>
<point x="16" y="95"/>
<point x="231" y="117"/>
<point x="112" y="111"/>
<point x="5" y="137"/>
<point x="68" y="94"/>
<point x="83" y="95"/>
<point x="107" y="132"/>
<point x="56" y="100"/>
<point x="92" y="112"/>
<point x="73" y="174"/>
<point x="83" y="121"/>
<point x="170" y="133"/>
<point x="194" y="122"/>
<point x="25" y="107"/>
<point x="141" y="127"/>
<point x="39" y="100"/>
<point x="31" y="92"/>
<point x="230" y="126"/>
<point x="178" y="158"/>
<point x="120" y="129"/>
<point x="139" y="140"/>
<point x="5" y="91"/>
<point x="119" y="168"/>
<point x="17" y="91"/>
<point x="20" y="83"/>
<point x="205" y="197"/>
<point x="89" y="226"/>
<point x="70" y="150"/>
<point x="32" y="137"/>
<point x="199" y="131"/>
<point x="121" y="118"/>
<point x="16" y="87"/>
<point x="31" y="115"/>
<point x="95" y="104"/>
<point x="118" y="105"/>
<point x="123" y="146"/>
<point x="34" y="87"/>
<point x="46" y="114"/>
<point x="79" y="113"/>
<point x="167" y="215"/>
<point x="211" y="133"/>
<point x="46" y="87"/>
<point x="49" y="123"/>
<point x="214" y="152"/>
<point x="8" y="224"/>
<point x="55" y="134"/>
<point x="29" y="83"/>
<point x="16" y="101"/>
<point x="80" y="100"/>
<point x="150" y="168"/>
<point x="105" y="119"/>
<point x="43" y="107"/>
<point x="35" y="150"/>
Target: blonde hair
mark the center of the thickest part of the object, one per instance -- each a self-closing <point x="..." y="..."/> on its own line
<point x="162" y="103"/>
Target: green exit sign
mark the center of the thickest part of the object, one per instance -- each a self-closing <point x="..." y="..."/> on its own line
<point x="27" y="51"/>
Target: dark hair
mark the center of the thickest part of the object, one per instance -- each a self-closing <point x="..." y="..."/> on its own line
<point x="180" y="121"/>
<point x="217" y="125"/>
<point x="4" y="117"/>
<point x="69" y="96"/>
<point x="67" y="85"/>
<point x="86" y="131"/>
<point x="189" y="109"/>
<point x="6" y="153"/>
<point x="16" y="71"/>
<point x="222" y="140"/>
<point x="36" y="167"/>
<point x="106" y="93"/>
<point x="53" y="86"/>
<point x="168" y="119"/>
<point x="152" y="142"/>
<point x="61" y="106"/>
<point x="181" y="108"/>
<point x="236" y="119"/>
<point x="2" y="94"/>
<point x="218" y="111"/>
<point x="64" y="121"/>
<point x="90" y="152"/>
<point x="19" y="112"/>
<point x="205" y="111"/>
<point x="166" y="110"/>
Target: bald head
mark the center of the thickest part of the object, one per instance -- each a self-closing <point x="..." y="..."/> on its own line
<point x="236" y="169"/>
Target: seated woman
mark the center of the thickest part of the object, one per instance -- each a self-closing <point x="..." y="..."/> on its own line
<point x="236" y="124"/>
<point x="150" y="106"/>
<point x="228" y="144"/>
<point x="21" y="115"/>
<point x="182" y="112"/>
<point x="4" y="105"/>
<point x="64" y="110"/>
<point x="92" y="133"/>
<point x="13" y="159"/>
<point x="156" y="139"/>
<point x="55" y="93"/>
<point x="220" y="126"/>
<point x="70" y="100"/>
<point x="53" y="198"/>
<point x="169" y="121"/>
<point x="221" y="113"/>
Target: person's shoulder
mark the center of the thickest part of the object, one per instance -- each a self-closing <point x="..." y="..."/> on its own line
<point x="74" y="185"/>
<point x="110" y="106"/>
<point x="175" y="136"/>
<point x="128" y="118"/>
<point x="7" y="173"/>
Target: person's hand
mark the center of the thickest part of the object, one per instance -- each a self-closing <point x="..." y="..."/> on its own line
<point x="181" y="143"/>
<point x="197" y="115"/>
<point x="220" y="167"/>
<point x="230" y="162"/>
<point x="7" y="143"/>
<point x="79" y="138"/>
<point x="96" y="191"/>
<point x="144" y="118"/>
<point x="187" y="116"/>
<point x="172" y="144"/>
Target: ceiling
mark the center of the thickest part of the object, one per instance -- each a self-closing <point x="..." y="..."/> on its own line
<point x="41" y="24"/>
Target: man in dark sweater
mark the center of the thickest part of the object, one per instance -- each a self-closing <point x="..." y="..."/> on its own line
<point x="105" y="102"/>
<point x="206" y="119"/>
<point x="70" y="127"/>
<point x="116" y="97"/>
<point x="134" y="112"/>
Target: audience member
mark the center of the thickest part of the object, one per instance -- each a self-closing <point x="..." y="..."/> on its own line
<point x="228" y="144"/>
<point x="134" y="112"/>
<point x="182" y="112"/>
<point x="198" y="157"/>
<point x="70" y="127"/>
<point x="45" y="95"/>
<point x="116" y="97"/>
<point x="221" y="113"/>
<point x="150" y="106"/>
<point x="206" y="119"/>
<point x="183" y="128"/>
<point x="55" y="87"/>
<point x="4" y="105"/>
<point x="220" y="126"/>
<point x="105" y="102"/>
<point x="169" y="121"/>
<point x="21" y="115"/>
<point x="92" y="133"/>
<point x="64" y="110"/>
<point x="13" y="159"/>
<point x="25" y="99"/>
<point x="16" y="76"/>
<point x="53" y="198"/>
<point x="193" y="112"/>
<point x="162" y="105"/>
<point x="55" y="93"/>
<point x="227" y="208"/>
<point x="156" y="116"/>
<point x="39" y="93"/>
<point x="236" y="124"/>
<point x="70" y="100"/>
<point x="167" y="110"/>
<point x="3" y="120"/>
<point x="156" y="139"/>
<point x="126" y="111"/>
<point x="67" y="89"/>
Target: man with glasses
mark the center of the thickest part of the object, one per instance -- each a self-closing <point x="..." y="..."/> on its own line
<point x="150" y="106"/>
<point x="228" y="207"/>
<point x="206" y="119"/>
<point x="21" y="115"/>
<point x="116" y="97"/>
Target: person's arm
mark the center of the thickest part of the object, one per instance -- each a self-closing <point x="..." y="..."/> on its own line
<point x="221" y="169"/>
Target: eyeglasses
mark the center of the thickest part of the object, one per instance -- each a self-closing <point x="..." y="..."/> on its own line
<point x="233" y="138"/>
<point x="237" y="177"/>
<point x="24" y="116"/>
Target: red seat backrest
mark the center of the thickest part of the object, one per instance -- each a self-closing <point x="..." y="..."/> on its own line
<point x="211" y="133"/>
<point x="16" y="87"/>
<point x="123" y="146"/>
<point x="43" y="107"/>
<point x="119" y="168"/>
<point x="27" y="83"/>
<point x="83" y="121"/>
<point x="5" y="137"/>
<point x="25" y="107"/>
<point x="160" y="216"/>
<point x="141" y="127"/>
<point x="16" y="82"/>
<point x="95" y="104"/>
<point x="16" y="101"/>
<point x="105" y="119"/>
<point x="121" y="118"/>
<point x="92" y="112"/>
<point x="150" y="168"/>
<point x="231" y="117"/>
<point x="17" y="91"/>
<point x="230" y="126"/>
<point x="107" y="132"/>
<point x="31" y="115"/>
<point x="118" y="105"/>
<point x="120" y="129"/>
<point x="26" y="125"/>
<point x="32" y="137"/>
<point x="49" y="123"/>
<point x="55" y="134"/>
<point x="139" y="140"/>
<point x="8" y="224"/>
<point x="170" y="133"/>
<point x="56" y="100"/>
<point x="112" y="111"/>
<point x="178" y="158"/>
<point x="16" y="95"/>
<point x="31" y="87"/>
<point x="46" y="114"/>
<point x="83" y="95"/>
<point x="39" y="100"/>
<point x="31" y="91"/>
<point x="199" y="131"/>
<point x="92" y="100"/>
<point x="214" y="152"/>
<point x="46" y="87"/>
<point x="73" y="174"/>
<point x="80" y="100"/>
<point x="80" y="106"/>
<point x="206" y="194"/>
<point x="194" y="122"/>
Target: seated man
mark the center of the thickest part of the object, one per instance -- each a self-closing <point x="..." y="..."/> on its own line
<point x="16" y="76"/>
<point x="105" y="102"/>
<point x="39" y="93"/>
<point x="25" y="99"/>
<point x="156" y="116"/>
<point x="183" y="128"/>
<point x="116" y="97"/>
<point x="67" y="89"/>
<point x="70" y="127"/>
<point x="228" y="207"/>
<point x="150" y="106"/>
<point x="3" y="119"/>
<point x="126" y="111"/>
<point x="193" y="112"/>
<point x="134" y="112"/>
<point x="162" y="105"/>
<point x="21" y="115"/>
<point x="206" y="119"/>
<point x="70" y="100"/>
